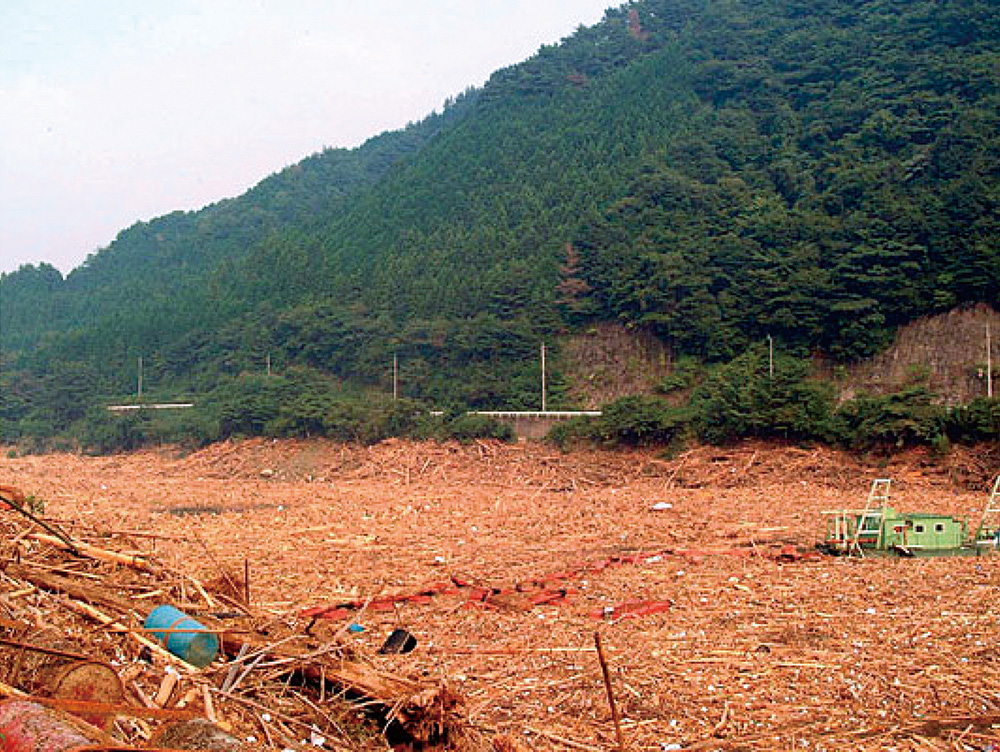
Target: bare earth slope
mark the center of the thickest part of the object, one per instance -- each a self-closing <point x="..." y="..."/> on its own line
<point x="722" y="631"/>
<point x="947" y="352"/>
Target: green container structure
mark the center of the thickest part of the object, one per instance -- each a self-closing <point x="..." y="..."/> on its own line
<point x="878" y="529"/>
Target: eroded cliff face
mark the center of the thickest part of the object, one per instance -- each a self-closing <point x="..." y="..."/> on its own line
<point x="609" y="361"/>
<point x="945" y="352"/>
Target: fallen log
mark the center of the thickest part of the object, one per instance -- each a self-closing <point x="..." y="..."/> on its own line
<point x="62" y="584"/>
<point x="91" y="681"/>
<point x="425" y="714"/>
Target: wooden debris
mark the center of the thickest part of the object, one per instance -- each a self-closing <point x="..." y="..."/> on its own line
<point x="606" y="675"/>
<point x="46" y="667"/>
<point x="98" y="553"/>
<point x="733" y="638"/>
<point x="55" y="672"/>
<point x="92" y="681"/>
<point x="425" y="713"/>
<point x="197" y="734"/>
<point x="166" y="690"/>
<point x="56" y="583"/>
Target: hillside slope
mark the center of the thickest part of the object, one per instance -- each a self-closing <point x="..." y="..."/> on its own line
<point x="945" y="352"/>
<point x="710" y="171"/>
<point x="161" y="267"/>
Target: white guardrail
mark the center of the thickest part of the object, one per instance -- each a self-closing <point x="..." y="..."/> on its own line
<point x="537" y="413"/>
<point x="153" y="406"/>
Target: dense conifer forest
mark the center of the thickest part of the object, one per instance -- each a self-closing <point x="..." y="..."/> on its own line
<point x="712" y="171"/>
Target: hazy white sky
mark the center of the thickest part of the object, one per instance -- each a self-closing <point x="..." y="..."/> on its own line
<point x="113" y="111"/>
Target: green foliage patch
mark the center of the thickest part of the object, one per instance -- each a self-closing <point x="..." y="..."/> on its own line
<point x="746" y="398"/>
<point x="752" y="396"/>
<point x="712" y="171"/>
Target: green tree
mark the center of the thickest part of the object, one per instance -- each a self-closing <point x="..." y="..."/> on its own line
<point x="754" y="397"/>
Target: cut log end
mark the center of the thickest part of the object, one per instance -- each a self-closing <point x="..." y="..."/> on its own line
<point x="86" y="680"/>
<point x="200" y="734"/>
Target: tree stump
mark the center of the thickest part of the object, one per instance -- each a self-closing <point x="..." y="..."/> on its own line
<point x="47" y="666"/>
<point x="200" y="734"/>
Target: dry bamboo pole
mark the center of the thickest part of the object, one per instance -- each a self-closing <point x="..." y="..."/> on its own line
<point x="101" y="554"/>
<point x="8" y="691"/>
<point x="610" y="692"/>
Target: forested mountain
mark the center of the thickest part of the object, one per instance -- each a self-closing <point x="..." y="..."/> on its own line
<point x="714" y="171"/>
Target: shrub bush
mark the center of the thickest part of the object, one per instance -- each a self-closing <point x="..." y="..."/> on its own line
<point x="684" y="374"/>
<point x="743" y="399"/>
<point x="247" y="404"/>
<point x="395" y="418"/>
<point x="641" y="421"/>
<point x="469" y="427"/>
<point x="977" y="421"/>
<point x="567" y="432"/>
<point x="906" y="418"/>
<point x="104" y="432"/>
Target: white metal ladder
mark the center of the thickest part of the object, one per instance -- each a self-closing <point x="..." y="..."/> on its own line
<point x="989" y="527"/>
<point x="878" y="499"/>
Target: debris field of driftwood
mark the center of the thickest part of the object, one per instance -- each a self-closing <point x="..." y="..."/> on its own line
<point x="73" y="644"/>
<point x="505" y="567"/>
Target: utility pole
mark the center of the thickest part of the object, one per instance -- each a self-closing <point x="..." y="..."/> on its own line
<point x="989" y="364"/>
<point x="770" y="356"/>
<point x="543" y="377"/>
<point x="269" y="364"/>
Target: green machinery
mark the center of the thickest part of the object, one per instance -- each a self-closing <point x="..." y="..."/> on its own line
<point x="878" y="529"/>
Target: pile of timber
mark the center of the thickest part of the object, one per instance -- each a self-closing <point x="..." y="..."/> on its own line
<point x="79" y="670"/>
